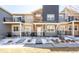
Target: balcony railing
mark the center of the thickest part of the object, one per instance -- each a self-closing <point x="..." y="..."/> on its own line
<point x="8" y="19"/>
<point x="11" y="19"/>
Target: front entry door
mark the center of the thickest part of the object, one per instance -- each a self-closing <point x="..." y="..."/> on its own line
<point x="39" y="31"/>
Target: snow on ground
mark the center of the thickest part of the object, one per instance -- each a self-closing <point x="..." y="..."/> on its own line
<point x="5" y="42"/>
<point x="26" y="40"/>
<point x="71" y="44"/>
<point x="32" y="40"/>
<point x="11" y="46"/>
<point x="15" y="40"/>
<point x="71" y="38"/>
<point x="54" y="38"/>
<point x="44" y="41"/>
<point x="68" y="37"/>
<point x="76" y="38"/>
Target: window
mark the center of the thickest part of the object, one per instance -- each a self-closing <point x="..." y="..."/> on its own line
<point x="15" y="28"/>
<point x="29" y="17"/>
<point x="50" y="17"/>
<point x="75" y="27"/>
<point x="50" y="28"/>
<point x="70" y="27"/>
<point x="76" y="19"/>
<point x="70" y="18"/>
<point x="61" y="17"/>
<point x="17" y="18"/>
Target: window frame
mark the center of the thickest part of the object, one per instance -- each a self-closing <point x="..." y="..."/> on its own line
<point x="76" y="28"/>
<point x="49" y="28"/>
<point x="50" y="17"/>
<point x="15" y="18"/>
<point x="70" y="28"/>
<point x="15" y="28"/>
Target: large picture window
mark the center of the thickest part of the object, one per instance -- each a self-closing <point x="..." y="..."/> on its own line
<point x="50" y="17"/>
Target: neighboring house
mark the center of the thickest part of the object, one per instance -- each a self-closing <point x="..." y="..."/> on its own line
<point x="70" y="24"/>
<point x="4" y="28"/>
<point x="47" y="21"/>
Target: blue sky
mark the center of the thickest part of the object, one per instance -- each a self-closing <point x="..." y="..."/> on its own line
<point x="30" y="8"/>
<point x="21" y="8"/>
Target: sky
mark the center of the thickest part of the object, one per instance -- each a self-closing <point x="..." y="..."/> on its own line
<point x="30" y="8"/>
<point x="21" y="8"/>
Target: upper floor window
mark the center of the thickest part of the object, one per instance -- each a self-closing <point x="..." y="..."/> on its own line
<point x="29" y="17"/>
<point x="61" y="17"/>
<point x="50" y="17"/>
<point x="75" y="28"/>
<point x="17" y="18"/>
<point x="70" y="18"/>
<point x="76" y="18"/>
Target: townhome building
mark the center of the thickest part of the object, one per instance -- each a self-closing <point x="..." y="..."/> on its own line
<point x="4" y="28"/>
<point x="46" y="21"/>
<point x="66" y="22"/>
<point x="70" y="24"/>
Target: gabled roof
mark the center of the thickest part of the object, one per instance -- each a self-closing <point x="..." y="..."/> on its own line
<point x="66" y="9"/>
<point x="37" y="11"/>
<point x="5" y="10"/>
<point x="70" y="10"/>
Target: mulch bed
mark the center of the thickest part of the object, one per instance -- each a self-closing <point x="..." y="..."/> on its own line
<point x="65" y="49"/>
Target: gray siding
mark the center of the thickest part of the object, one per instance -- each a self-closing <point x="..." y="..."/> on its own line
<point x="50" y="9"/>
<point x="3" y="27"/>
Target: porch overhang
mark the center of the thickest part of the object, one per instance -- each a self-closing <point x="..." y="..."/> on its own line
<point x="64" y="23"/>
<point x="46" y="23"/>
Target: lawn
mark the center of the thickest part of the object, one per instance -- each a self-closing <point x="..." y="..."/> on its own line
<point x="23" y="50"/>
<point x="38" y="50"/>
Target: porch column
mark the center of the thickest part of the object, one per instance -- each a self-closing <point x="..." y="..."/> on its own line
<point x="35" y="30"/>
<point x="20" y="30"/>
<point x="57" y="29"/>
<point x="72" y="28"/>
